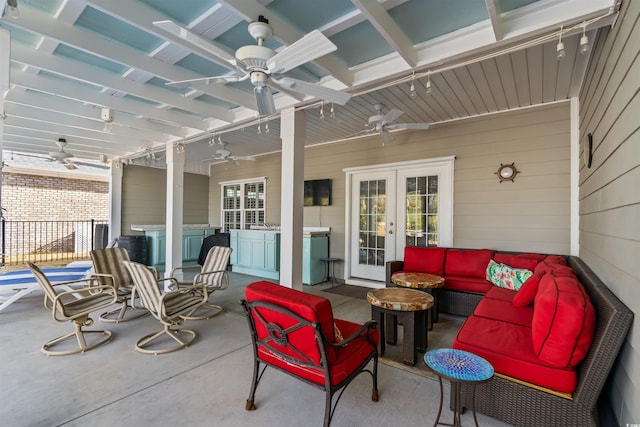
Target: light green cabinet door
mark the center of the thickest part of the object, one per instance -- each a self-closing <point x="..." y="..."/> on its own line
<point x="313" y="249"/>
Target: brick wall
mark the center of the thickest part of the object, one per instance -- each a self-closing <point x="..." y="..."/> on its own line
<point x="45" y="198"/>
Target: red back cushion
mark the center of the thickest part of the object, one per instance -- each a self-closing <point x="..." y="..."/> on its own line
<point x="563" y="321"/>
<point x="424" y="260"/>
<point x="527" y="292"/>
<point x="515" y="261"/>
<point x="472" y="263"/>
<point x="309" y="307"/>
<point x="537" y="257"/>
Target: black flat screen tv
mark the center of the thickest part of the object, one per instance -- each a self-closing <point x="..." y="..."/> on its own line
<point x="317" y="192"/>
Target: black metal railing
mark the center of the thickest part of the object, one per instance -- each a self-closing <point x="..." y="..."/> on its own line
<point x="49" y="241"/>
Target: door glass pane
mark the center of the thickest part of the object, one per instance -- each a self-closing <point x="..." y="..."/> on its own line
<point x="421" y="228"/>
<point x="372" y="222"/>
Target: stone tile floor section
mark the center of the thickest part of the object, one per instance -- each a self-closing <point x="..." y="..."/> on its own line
<point x="204" y="385"/>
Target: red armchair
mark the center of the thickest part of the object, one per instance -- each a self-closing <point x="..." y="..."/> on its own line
<point x="296" y="333"/>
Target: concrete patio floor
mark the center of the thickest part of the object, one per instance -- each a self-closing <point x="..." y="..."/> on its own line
<point x="204" y="385"/>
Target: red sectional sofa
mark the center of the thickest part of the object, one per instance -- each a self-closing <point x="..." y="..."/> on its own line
<point x="552" y="342"/>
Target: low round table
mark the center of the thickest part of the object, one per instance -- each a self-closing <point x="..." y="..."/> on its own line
<point x="430" y="283"/>
<point x="460" y="367"/>
<point x="410" y="305"/>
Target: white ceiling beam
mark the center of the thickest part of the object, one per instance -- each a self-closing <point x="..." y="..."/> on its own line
<point x="37" y="22"/>
<point x="494" y="16"/>
<point x="388" y="29"/>
<point x="95" y="75"/>
<point x="118" y="133"/>
<point x="76" y="108"/>
<point x="250" y="10"/>
<point x="71" y="91"/>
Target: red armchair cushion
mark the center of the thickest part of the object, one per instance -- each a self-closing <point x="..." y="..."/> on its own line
<point x="424" y="260"/>
<point x="467" y="284"/>
<point x="505" y="311"/>
<point x="471" y="263"/>
<point x="563" y="321"/>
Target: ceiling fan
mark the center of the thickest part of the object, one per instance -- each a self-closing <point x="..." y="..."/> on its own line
<point x="62" y="156"/>
<point x="264" y="66"/>
<point x="382" y="123"/>
<point x="221" y="153"/>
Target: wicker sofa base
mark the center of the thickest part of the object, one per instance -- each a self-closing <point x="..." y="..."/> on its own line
<point x="458" y="303"/>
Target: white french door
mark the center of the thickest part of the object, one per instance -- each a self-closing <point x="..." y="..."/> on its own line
<point x="393" y="206"/>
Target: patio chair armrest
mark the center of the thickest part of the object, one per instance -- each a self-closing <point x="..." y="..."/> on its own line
<point x="196" y="290"/>
<point x="185" y="267"/>
<point x="367" y="326"/>
<point x="57" y="305"/>
<point x="114" y="283"/>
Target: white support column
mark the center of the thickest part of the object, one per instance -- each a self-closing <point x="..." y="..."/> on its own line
<point x="574" y="233"/>
<point x="5" y="69"/>
<point x="293" y="133"/>
<point x="115" y="200"/>
<point x="175" y="200"/>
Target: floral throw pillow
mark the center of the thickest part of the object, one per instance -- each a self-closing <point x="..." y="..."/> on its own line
<point x="507" y="277"/>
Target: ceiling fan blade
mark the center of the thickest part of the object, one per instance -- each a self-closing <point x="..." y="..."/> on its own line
<point x="411" y="126"/>
<point x="387" y="136"/>
<point x="195" y="40"/>
<point x="310" y="47"/>
<point x="360" y="133"/>
<point x="70" y="166"/>
<point x="291" y="93"/>
<point x="205" y="80"/>
<point x="314" y="90"/>
<point x="392" y="115"/>
<point x="264" y="99"/>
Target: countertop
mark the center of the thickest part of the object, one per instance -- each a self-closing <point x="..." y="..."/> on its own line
<point x="156" y="227"/>
<point x="306" y="231"/>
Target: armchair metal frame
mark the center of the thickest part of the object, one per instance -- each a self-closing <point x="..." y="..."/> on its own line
<point x="75" y="306"/>
<point x="213" y="275"/>
<point x="169" y="307"/>
<point x="280" y="336"/>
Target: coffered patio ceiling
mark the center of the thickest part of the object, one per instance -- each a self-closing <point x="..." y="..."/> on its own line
<point x="68" y="60"/>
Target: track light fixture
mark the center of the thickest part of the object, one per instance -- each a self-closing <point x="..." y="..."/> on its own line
<point x="427" y="86"/>
<point x="11" y="9"/>
<point x="560" y="47"/>
<point x="584" y="41"/>
<point x="412" y="88"/>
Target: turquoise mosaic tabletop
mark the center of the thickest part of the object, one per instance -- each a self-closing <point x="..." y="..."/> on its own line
<point x="458" y="364"/>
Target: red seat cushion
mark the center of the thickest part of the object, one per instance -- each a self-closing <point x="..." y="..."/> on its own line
<point x="504" y="310"/>
<point x="509" y="349"/>
<point x="502" y="294"/>
<point x="563" y="321"/>
<point x="467" y="284"/>
<point x="471" y="263"/>
<point x="424" y="260"/>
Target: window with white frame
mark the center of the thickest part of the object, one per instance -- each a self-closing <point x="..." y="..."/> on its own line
<point x="243" y="203"/>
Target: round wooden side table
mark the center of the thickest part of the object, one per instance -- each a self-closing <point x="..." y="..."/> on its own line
<point x="460" y="367"/>
<point x="411" y="306"/>
<point x="427" y="282"/>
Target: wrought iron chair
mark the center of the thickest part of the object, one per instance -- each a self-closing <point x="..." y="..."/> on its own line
<point x="75" y="306"/>
<point x="108" y="267"/>
<point x="169" y="308"/>
<point x="296" y="333"/>
<point x="213" y="275"/>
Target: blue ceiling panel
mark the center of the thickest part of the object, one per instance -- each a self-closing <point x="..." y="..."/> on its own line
<point x="307" y="16"/>
<point x="423" y="20"/>
<point x="161" y="83"/>
<point x="74" y="54"/>
<point x="239" y="36"/>
<point x="199" y="65"/>
<point x="350" y="44"/>
<point x="22" y="36"/>
<point x="183" y="11"/>
<point x="509" y="5"/>
<point x="48" y="6"/>
<point x="216" y="101"/>
<point x="185" y="112"/>
<point x="113" y="29"/>
<point x="68" y="80"/>
<point x="142" y="100"/>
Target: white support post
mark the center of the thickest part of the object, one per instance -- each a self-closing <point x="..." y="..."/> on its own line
<point x="575" y="178"/>
<point x="293" y="133"/>
<point x="174" y="210"/>
<point x="115" y="200"/>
